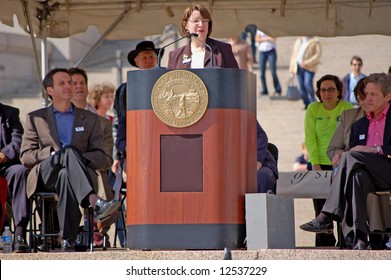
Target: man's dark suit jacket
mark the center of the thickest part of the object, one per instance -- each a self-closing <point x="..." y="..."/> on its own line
<point x="359" y="134"/>
<point x="222" y="53"/>
<point x="264" y="156"/>
<point x="11" y="131"/>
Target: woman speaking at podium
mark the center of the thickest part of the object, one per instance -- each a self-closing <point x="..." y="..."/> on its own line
<point x="202" y="51"/>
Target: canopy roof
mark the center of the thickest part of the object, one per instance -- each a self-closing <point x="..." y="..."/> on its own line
<point x="123" y="19"/>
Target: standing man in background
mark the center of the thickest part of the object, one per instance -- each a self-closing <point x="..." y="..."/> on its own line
<point x="351" y="79"/>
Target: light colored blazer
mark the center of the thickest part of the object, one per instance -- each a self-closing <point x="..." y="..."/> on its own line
<point x="340" y="141"/>
<point x="311" y="58"/>
<point x="41" y="138"/>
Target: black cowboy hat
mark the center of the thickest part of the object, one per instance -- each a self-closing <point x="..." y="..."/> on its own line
<point x="142" y="46"/>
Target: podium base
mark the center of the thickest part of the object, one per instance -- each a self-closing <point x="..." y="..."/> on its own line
<point x="186" y="236"/>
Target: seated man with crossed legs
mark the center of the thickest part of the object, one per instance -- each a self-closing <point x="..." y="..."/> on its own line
<point x="60" y="143"/>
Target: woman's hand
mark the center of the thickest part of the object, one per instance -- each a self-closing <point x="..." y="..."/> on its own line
<point x="316" y="167"/>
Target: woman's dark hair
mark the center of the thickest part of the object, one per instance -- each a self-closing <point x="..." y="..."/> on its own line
<point x="337" y="81"/>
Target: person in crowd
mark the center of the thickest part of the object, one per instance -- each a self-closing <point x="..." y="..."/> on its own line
<point x="351" y="79"/>
<point x="143" y="57"/>
<point x="197" y="19"/>
<point x="252" y="30"/>
<point x="267" y="171"/>
<point x="80" y="89"/>
<point x="304" y="62"/>
<point x="267" y="53"/>
<point x="60" y="143"/>
<point x="300" y="163"/>
<point x="11" y="131"/>
<point x="101" y="97"/>
<point x="379" y="215"/>
<point x="320" y="123"/>
<point x="242" y="52"/>
<point x="364" y="168"/>
<point x="101" y="183"/>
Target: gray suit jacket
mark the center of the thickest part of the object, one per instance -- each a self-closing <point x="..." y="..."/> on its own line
<point x="340" y="141"/>
<point x="100" y="178"/>
<point x="41" y="138"/>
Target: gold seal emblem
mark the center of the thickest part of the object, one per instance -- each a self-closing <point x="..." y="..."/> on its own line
<point x="179" y="98"/>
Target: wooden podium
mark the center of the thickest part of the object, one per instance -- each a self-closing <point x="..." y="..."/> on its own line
<point x="186" y="186"/>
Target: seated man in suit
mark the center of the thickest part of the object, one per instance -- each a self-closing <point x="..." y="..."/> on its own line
<point x="267" y="172"/>
<point x="11" y="131"/>
<point x="59" y="145"/>
<point x="364" y="168"/>
<point x="100" y="177"/>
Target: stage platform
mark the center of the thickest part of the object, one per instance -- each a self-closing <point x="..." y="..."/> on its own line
<point x="267" y="254"/>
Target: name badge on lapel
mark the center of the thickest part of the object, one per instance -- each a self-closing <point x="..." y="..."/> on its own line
<point x="79" y="129"/>
<point x="186" y="59"/>
<point x="361" y="137"/>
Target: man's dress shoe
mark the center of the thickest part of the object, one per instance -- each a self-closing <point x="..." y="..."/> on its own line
<point x="21" y="245"/>
<point x="315" y="226"/>
<point x="104" y="209"/>
<point x="361" y="245"/>
<point x="67" y="245"/>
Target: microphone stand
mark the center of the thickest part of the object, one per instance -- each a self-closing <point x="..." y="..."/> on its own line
<point x="195" y="35"/>
<point x="159" y="56"/>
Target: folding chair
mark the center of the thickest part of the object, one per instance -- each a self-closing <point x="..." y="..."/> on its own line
<point x="45" y="204"/>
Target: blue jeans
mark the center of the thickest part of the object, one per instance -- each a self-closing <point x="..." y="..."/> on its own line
<point x="270" y="56"/>
<point x="306" y="80"/>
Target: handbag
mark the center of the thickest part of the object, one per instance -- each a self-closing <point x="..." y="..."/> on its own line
<point x="293" y="92"/>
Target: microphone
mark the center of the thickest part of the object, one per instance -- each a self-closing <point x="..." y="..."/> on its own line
<point x="160" y="54"/>
<point x="195" y="35"/>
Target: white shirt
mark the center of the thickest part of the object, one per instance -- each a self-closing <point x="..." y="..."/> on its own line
<point x="266" y="45"/>
<point x="301" y="51"/>
<point x="197" y="57"/>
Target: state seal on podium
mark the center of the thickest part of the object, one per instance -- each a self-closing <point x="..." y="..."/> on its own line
<point x="179" y="98"/>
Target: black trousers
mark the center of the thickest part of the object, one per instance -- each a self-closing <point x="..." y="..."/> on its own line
<point x="66" y="174"/>
<point x="16" y="176"/>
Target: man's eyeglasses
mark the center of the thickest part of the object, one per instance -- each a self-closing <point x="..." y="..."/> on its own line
<point x="331" y="90"/>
